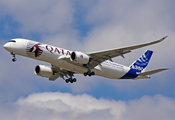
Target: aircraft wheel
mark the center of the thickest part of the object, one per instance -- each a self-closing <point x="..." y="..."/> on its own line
<point x="14" y="59"/>
<point x="74" y="80"/>
<point x="88" y="72"/>
<point x="92" y="73"/>
<point x="85" y="74"/>
<point x="67" y="80"/>
<point x="71" y="81"/>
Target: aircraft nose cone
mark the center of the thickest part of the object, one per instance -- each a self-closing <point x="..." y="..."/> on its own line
<point x="7" y="46"/>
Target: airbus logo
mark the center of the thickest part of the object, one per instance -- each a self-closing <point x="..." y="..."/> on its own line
<point x="137" y="67"/>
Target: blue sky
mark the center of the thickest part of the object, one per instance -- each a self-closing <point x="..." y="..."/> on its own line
<point x="88" y="26"/>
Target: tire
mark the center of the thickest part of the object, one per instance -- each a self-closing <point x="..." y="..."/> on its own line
<point x="92" y="73"/>
<point x="71" y="81"/>
<point x="14" y="59"/>
<point x="74" y="80"/>
<point x="85" y="74"/>
<point x="89" y="72"/>
<point x="67" y="80"/>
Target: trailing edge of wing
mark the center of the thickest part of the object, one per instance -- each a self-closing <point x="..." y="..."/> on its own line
<point x="152" y="72"/>
<point x="100" y="56"/>
<point x="146" y="44"/>
<point x="106" y="52"/>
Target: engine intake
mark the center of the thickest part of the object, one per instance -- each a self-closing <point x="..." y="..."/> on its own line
<point x="43" y="71"/>
<point x="79" y="57"/>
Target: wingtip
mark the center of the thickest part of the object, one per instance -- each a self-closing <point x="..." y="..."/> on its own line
<point x="164" y="37"/>
<point x="165" y="68"/>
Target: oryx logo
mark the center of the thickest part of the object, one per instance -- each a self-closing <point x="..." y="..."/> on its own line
<point x="33" y="49"/>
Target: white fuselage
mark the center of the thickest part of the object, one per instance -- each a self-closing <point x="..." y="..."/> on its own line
<point x="64" y="63"/>
<point x="54" y="55"/>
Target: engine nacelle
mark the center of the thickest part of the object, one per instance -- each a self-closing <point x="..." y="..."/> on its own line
<point x="43" y="71"/>
<point x="79" y="57"/>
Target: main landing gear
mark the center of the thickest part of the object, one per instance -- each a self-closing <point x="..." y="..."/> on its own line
<point x="89" y="73"/>
<point x="14" y="58"/>
<point x="71" y="80"/>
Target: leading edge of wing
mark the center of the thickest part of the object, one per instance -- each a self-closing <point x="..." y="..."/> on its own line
<point x="124" y="49"/>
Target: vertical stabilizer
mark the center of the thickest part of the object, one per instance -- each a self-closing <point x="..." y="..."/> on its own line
<point x="138" y="66"/>
<point x="141" y="64"/>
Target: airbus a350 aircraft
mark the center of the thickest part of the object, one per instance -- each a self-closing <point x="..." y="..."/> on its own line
<point x="65" y="63"/>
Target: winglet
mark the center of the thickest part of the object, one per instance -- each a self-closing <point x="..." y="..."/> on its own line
<point x="163" y="38"/>
<point x="160" y="40"/>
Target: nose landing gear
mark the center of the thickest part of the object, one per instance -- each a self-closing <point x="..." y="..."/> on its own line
<point x="14" y="58"/>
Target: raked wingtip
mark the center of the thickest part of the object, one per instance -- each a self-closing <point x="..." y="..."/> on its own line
<point x="164" y="37"/>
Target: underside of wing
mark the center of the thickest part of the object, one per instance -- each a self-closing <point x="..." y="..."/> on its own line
<point x="100" y="56"/>
<point x="58" y="72"/>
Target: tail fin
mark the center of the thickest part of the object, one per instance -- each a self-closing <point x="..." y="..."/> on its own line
<point x="140" y="65"/>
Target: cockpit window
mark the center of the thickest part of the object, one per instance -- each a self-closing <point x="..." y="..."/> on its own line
<point x="12" y="41"/>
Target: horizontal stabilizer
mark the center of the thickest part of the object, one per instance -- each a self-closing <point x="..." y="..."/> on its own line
<point x="152" y="72"/>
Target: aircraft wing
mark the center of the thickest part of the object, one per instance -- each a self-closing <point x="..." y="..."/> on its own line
<point x="100" y="56"/>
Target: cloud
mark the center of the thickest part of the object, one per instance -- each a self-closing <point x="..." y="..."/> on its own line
<point x="41" y="16"/>
<point x="66" y="106"/>
<point x="112" y="24"/>
<point x="123" y="23"/>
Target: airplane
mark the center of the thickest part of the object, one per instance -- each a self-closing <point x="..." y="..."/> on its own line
<point x="66" y="63"/>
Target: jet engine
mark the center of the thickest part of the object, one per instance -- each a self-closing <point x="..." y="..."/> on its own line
<point x="79" y="57"/>
<point x="43" y="71"/>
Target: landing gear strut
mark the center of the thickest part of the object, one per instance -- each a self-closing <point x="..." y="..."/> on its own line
<point x="14" y="58"/>
<point x="89" y="72"/>
<point x="71" y="80"/>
